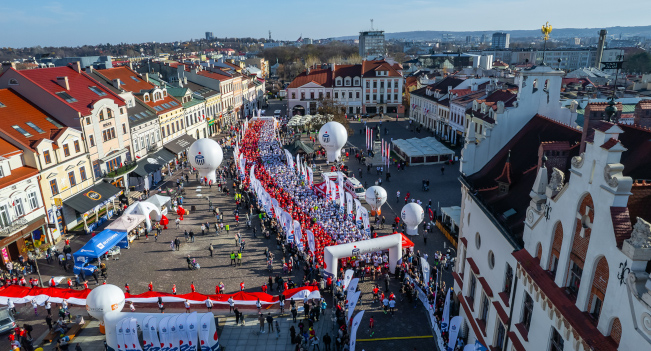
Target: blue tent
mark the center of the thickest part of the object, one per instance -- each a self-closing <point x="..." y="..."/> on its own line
<point x="100" y="244"/>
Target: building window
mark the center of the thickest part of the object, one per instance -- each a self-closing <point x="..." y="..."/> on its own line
<point x="2" y="173"/>
<point x="368" y="84"/>
<point x="374" y="97"/>
<point x="87" y="120"/>
<point x="357" y="95"/>
<point x="33" y="200"/>
<point x="162" y="132"/>
<point x="18" y="207"/>
<point x="312" y="96"/>
<point x="109" y="113"/>
<point x="336" y="95"/>
<point x="381" y="84"/>
<point x="71" y="177"/>
<point x="101" y="115"/>
<point x="350" y="94"/>
<point x="124" y="128"/>
<point x="91" y="141"/>
<point x="491" y="259"/>
<point x="557" y="342"/>
<point x="395" y="97"/>
<point x="76" y="145"/>
<point x="82" y="173"/>
<point x="46" y="156"/>
<point x="302" y="96"/>
<point x="596" y="307"/>
<point x="527" y="311"/>
<point x="508" y="279"/>
<point x="574" y="280"/>
<point x="66" y="150"/>
<point x="473" y="286"/>
<point x="5" y="218"/>
<point x="54" y="187"/>
<point x="293" y="95"/>
<point x="485" y="303"/>
<point x="367" y="97"/>
<point x="499" y="335"/>
<point x="168" y="129"/>
<point x="478" y="241"/>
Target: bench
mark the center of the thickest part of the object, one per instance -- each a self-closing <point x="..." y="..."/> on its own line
<point x="72" y="332"/>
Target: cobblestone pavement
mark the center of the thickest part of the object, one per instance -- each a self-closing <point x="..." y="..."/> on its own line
<point x="150" y="260"/>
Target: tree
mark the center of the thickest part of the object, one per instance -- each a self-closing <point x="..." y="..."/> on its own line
<point x="638" y="63"/>
<point x="329" y="107"/>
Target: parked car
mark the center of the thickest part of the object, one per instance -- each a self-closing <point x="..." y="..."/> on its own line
<point x="7" y="321"/>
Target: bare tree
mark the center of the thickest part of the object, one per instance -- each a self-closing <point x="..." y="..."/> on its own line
<point x="328" y="106"/>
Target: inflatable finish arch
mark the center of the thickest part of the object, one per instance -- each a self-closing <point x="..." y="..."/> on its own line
<point x="331" y="254"/>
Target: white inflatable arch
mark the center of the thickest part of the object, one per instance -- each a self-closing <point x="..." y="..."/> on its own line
<point x="332" y="254"/>
<point x="145" y="209"/>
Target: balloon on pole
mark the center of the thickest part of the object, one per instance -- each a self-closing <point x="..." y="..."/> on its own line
<point x="333" y="137"/>
<point x="412" y="214"/>
<point x="376" y="196"/>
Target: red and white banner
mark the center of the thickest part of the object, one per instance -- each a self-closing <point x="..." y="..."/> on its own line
<point x="23" y="294"/>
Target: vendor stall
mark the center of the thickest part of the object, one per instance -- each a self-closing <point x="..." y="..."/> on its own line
<point x="422" y="151"/>
<point x="161" y="202"/>
<point x="98" y="246"/>
<point x="86" y="206"/>
<point x="451" y="217"/>
<point x="145" y="209"/>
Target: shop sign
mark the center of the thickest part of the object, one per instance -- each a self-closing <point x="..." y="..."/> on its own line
<point x="93" y="195"/>
<point x="5" y="255"/>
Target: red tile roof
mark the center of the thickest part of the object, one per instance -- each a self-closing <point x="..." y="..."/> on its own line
<point x="17" y="175"/>
<point x="610" y="144"/>
<point x="79" y="84"/>
<point x="369" y="69"/>
<point x="17" y="112"/>
<point x="129" y="79"/>
<point x="7" y="149"/>
<point x="579" y="321"/>
<point x="348" y="71"/>
<point x="622" y="226"/>
<point x="213" y="75"/>
<point x="460" y="92"/>
<point x="322" y="77"/>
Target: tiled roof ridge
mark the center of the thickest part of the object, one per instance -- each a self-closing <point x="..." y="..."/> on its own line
<point x="39" y="85"/>
<point x="641" y="182"/>
<point x="555" y="121"/>
<point x="102" y="85"/>
<point x="636" y="126"/>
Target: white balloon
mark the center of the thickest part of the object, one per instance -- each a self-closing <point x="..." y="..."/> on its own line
<point x="206" y="155"/>
<point x="376" y="196"/>
<point x="412" y="214"/>
<point x="333" y="137"/>
<point x="104" y="299"/>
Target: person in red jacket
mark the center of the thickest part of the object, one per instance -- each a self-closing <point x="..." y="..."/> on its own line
<point x="217" y="289"/>
<point x="264" y="288"/>
<point x="151" y="286"/>
<point x="242" y="286"/>
<point x="192" y="287"/>
<point x="174" y="289"/>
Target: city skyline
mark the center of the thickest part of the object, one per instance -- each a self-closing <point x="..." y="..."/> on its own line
<point x="76" y="23"/>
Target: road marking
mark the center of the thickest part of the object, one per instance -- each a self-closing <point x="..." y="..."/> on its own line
<point x="399" y="338"/>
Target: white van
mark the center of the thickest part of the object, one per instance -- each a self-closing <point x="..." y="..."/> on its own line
<point x="351" y="185"/>
<point x="277" y="113"/>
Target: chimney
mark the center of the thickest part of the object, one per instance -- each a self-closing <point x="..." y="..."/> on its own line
<point x="7" y="65"/>
<point x="333" y="66"/>
<point x="116" y="83"/>
<point x="600" y="48"/>
<point x="63" y="81"/>
<point x="89" y="69"/>
<point x="185" y="80"/>
<point x="76" y="66"/>
<point x="146" y="77"/>
<point x="473" y="87"/>
<point x="308" y="71"/>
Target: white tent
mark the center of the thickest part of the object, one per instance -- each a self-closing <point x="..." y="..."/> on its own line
<point x="126" y="222"/>
<point x="422" y="151"/>
<point x="144" y="209"/>
<point x="160" y="201"/>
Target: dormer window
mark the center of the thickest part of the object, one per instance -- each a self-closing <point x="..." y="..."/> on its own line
<point x="338" y="82"/>
<point x="13" y="81"/>
<point x="347" y="81"/>
<point x="356" y="81"/>
<point x="146" y="97"/>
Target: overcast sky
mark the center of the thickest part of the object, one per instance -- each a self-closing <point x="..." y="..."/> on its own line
<point x="75" y="22"/>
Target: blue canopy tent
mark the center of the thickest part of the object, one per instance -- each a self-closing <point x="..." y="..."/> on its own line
<point x="98" y="246"/>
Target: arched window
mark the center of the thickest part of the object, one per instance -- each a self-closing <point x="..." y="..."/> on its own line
<point x="146" y="97"/>
<point x="535" y="86"/>
<point x="599" y="286"/>
<point x="546" y="87"/>
<point x="13" y="81"/>
<point x="338" y="81"/>
<point x="580" y="241"/>
<point x="101" y="115"/>
<point x="356" y="81"/>
<point x="555" y="252"/>
<point x="616" y="331"/>
<point x="347" y="81"/>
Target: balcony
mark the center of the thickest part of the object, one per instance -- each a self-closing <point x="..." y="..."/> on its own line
<point x="126" y="168"/>
<point x="15" y="225"/>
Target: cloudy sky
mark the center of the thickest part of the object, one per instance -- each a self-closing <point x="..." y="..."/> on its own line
<point x="74" y="22"/>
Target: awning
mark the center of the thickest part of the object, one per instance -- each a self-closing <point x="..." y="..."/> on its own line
<point x="406" y="242"/>
<point x="126" y="222"/>
<point x="96" y="195"/>
<point x="153" y="162"/>
<point x="99" y="244"/>
<point x="454" y="213"/>
<point x="180" y="144"/>
<point x="158" y="200"/>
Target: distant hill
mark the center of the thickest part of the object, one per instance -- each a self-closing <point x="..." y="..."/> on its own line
<point x="643" y="31"/>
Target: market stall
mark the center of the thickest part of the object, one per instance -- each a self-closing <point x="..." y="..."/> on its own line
<point x="133" y="224"/>
<point x="145" y="209"/>
<point x="92" y="206"/>
<point x="161" y="202"/>
<point x="422" y="151"/>
<point x="98" y="246"/>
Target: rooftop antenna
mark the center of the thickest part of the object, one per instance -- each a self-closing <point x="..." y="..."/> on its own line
<point x="269" y="35"/>
<point x="371" y="24"/>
